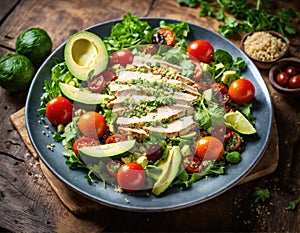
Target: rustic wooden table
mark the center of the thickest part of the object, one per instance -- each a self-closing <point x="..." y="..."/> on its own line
<point x="29" y="204"/>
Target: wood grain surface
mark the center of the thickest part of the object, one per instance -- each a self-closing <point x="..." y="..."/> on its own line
<point x="28" y="203"/>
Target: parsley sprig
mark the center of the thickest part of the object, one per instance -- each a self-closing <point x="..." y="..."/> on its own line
<point x="247" y="16"/>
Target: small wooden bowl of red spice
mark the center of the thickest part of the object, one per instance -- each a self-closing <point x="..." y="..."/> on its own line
<point x="285" y="77"/>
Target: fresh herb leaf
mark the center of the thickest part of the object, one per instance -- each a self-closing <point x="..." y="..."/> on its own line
<point x="261" y="194"/>
<point x="59" y="73"/>
<point x="189" y="3"/>
<point x="222" y="56"/>
<point x="212" y="168"/>
<point x="130" y="32"/>
<point x="247" y="17"/>
<point x="293" y="205"/>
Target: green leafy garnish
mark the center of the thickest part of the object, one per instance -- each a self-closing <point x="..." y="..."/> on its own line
<point x="246" y="16"/>
<point x="60" y="73"/>
<point x="128" y="33"/>
<point x="132" y="32"/>
<point x="293" y="204"/>
<point x="213" y="168"/>
<point x="261" y="194"/>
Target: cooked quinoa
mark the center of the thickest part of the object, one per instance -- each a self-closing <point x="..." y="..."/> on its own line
<point x="264" y="46"/>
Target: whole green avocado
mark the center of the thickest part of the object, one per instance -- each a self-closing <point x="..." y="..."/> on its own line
<point x="16" y="72"/>
<point x="35" y="44"/>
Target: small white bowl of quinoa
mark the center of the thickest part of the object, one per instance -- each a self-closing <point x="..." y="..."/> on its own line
<point x="264" y="47"/>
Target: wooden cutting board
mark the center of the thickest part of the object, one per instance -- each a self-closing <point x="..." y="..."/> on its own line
<point x="80" y="205"/>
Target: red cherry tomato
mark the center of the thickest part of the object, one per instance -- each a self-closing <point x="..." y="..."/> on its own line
<point x="131" y="176"/>
<point x="198" y="71"/>
<point x="108" y="76"/>
<point x="209" y="148"/>
<point x="201" y="50"/>
<point x="282" y="79"/>
<point x="290" y="70"/>
<point x="294" y="81"/>
<point x="168" y="35"/>
<point x="149" y="49"/>
<point x="96" y="83"/>
<point x="113" y="167"/>
<point x="221" y="92"/>
<point x="59" y="110"/>
<point x="192" y="164"/>
<point x="221" y="132"/>
<point x="241" y="91"/>
<point x="115" y="138"/>
<point x="122" y="57"/>
<point x="92" y="124"/>
<point x="83" y="142"/>
<point x="235" y="141"/>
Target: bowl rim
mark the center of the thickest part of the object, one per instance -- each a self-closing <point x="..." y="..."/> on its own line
<point x="276" y="66"/>
<point x="277" y="34"/>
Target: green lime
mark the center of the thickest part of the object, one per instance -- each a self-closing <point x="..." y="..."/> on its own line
<point x="237" y="121"/>
<point x="35" y="44"/>
<point x="16" y="72"/>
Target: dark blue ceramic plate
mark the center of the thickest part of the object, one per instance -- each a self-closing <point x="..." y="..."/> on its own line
<point x="174" y="198"/>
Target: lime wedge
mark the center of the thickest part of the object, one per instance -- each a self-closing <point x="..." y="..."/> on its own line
<point x="237" y="121"/>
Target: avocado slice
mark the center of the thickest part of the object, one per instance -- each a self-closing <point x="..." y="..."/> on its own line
<point x="92" y="154"/>
<point x="227" y="75"/>
<point x="170" y="168"/>
<point x="82" y="96"/>
<point x="85" y="54"/>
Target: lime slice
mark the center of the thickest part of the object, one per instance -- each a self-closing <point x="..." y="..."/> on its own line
<point x="239" y="122"/>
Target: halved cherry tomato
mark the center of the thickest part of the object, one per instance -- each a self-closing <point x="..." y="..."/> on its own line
<point x="198" y="70"/>
<point x="83" y="142"/>
<point x="92" y="124"/>
<point x="209" y="148"/>
<point x="168" y="35"/>
<point x="131" y="176"/>
<point x="234" y="143"/>
<point x="241" y="91"/>
<point x="192" y="164"/>
<point x="109" y="76"/>
<point x="113" y="167"/>
<point x="221" y="92"/>
<point x="201" y="50"/>
<point x="59" y="110"/>
<point x="149" y="49"/>
<point x="96" y="83"/>
<point x="221" y="132"/>
<point x="122" y="57"/>
<point x="115" y="138"/>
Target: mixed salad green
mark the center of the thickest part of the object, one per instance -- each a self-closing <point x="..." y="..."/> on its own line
<point x="129" y="142"/>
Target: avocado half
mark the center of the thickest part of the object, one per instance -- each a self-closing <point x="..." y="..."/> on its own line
<point x="85" y="53"/>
